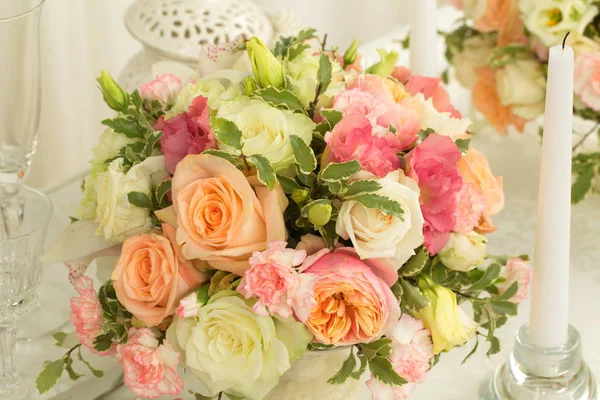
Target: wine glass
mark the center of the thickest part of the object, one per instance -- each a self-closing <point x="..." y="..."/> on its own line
<point x="24" y="217"/>
<point x="20" y="85"/>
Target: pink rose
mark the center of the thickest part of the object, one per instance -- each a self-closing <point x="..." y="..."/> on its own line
<point x="86" y="315"/>
<point x="354" y="305"/>
<point x="432" y="88"/>
<point x="150" y="369"/>
<point x="433" y="164"/>
<point x="517" y="270"/>
<point x="165" y="88"/>
<point x="273" y="280"/>
<point x="151" y="276"/>
<point x="186" y="133"/>
<point x="587" y="79"/>
<point x="353" y="139"/>
<point x="412" y="349"/>
<point x="222" y="215"/>
<point x="470" y="205"/>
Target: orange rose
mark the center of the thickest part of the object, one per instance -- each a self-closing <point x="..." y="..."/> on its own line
<point x="504" y="17"/>
<point x="222" y="215"/>
<point x="475" y="170"/>
<point x="151" y="276"/>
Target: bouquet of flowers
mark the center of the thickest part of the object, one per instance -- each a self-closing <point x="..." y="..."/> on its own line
<point x="500" y="52"/>
<point x="282" y="202"/>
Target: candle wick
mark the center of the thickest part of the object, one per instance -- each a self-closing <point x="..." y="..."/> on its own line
<point x="564" y="43"/>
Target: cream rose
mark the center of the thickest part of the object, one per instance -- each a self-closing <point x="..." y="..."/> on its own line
<point x="117" y="219"/>
<point x="303" y="73"/>
<point x="474" y="54"/>
<point x="376" y="235"/>
<point x="522" y="85"/>
<point x="464" y="251"/>
<point x="266" y="130"/>
<point x="231" y="349"/>
<point x="223" y="216"/>
<point x="443" y="123"/>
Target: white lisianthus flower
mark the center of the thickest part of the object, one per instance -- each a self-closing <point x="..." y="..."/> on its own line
<point x="464" y="251"/>
<point x="474" y="54"/>
<point x="376" y="235"/>
<point x="473" y="9"/>
<point x="522" y="85"/>
<point x="441" y="122"/>
<point x="231" y="349"/>
<point x="266" y="130"/>
<point x="302" y="71"/>
<point x="117" y="219"/>
<point x="551" y="20"/>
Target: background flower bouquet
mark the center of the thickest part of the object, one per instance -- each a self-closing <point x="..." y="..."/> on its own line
<point x="500" y="52"/>
<point x="285" y="201"/>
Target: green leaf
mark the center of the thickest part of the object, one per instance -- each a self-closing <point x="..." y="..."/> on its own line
<point x="510" y="292"/>
<point x="504" y="307"/>
<point x="383" y="204"/>
<point x="233" y="397"/>
<point x="73" y="375"/>
<point x="329" y="234"/>
<point x="50" y="374"/>
<point x="363" y="367"/>
<point x="335" y="187"/>
<point x="445" y="77"/>
<point x="220" y="281"/>
<point x="472" y="350"/>
<point x="324" y="73"/>
<point x="463" y="144"/>
<point x="266" y="173"/>
<point x="322" y="128"/>
<point x="378" y="348"/>
<point x="494" y="346"/>
<point x="319" y="346"/>
<point x="125" y="126"/>
<point x="332" y="116"/>
<point x="97" y="373"/>
<point x="59" y="338"/>
<point x="362" y="186"/>
<point x="139" y="199"/>
<point x="133" y="156"/>
<point x="397" y="290"/>
<point x="287" y="184"/>
<point x="583" y="183"/>
<point x="303" y="154"/>
<point x="344" y="372"/>
<point x="392" y="128"/>
<point x="339" y="171"/>
<point x="226" y="132"/>
<point x="424" y="133"/>
<point x="297" y="50"/>
<point x="415" y="264"/>
<point x="161" y="193"/>
<point x="198" y="396"/>
<point x="152" y="142"/>
<point x="222" y="154"/>
<point x="306" y="34"/>
<point x="412" y="298"/>
<point x="280" y="98"/>
<point x="383" y="371"/>
<point x="491" y="274"/>
<point x="103" y="342"/>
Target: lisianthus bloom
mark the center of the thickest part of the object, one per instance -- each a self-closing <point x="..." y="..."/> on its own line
<point x="150" y="368"/>
<point x="151" y="276"/>
<point x="164" y="88"/>
<point x="518" y="271"/>
<point x="276" y="285"/>
<point x="587" y="80"/>
<point x="433" y="164"/>
<point x="186" y="133"/>
<point x="223" y="216"/>
<point x="353" y="139"/>
<point x="522" y="85"/>
<point x="354" y="305"/>
<point x="464" y="251"/>
<point x="249" y="363"/>
<point x="473" y="53"/>
<point x="411" y="352"/>
<point x="86" y="315"/>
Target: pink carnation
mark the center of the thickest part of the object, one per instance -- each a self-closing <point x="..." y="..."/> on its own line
<point x="433" y="164"/>
<point x="412" y="349"/>
<point x="188" y="306"/>
<point x="587" y="79"/>
<point x="150" y="369"/>
<point x="165" y="88"/>
<point x="517" y="270"/>
<point x="279" y="289"/>
<point x="86" y="315"/>
<point x="353" y="139"/>
<point x="470" y="205"/>
<point x="186" y="133"/>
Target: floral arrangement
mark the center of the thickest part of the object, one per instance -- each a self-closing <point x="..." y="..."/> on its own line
<point x="282" y="202"/>
<point x="500" y="52"/>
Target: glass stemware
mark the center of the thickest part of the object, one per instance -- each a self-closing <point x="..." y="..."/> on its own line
<point x="24" y="217"/>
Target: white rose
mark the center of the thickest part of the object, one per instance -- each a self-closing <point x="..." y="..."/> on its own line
<point x="117" y="219"/>
<point x="302" y="71"/>
<point x="266" y="130"/>
<point x="474" y="9"/>
<point x="475" y="53"/>
<point x="231" y="349"/>
<point x="441" y="122"/>
<point x="464" y="251"/>
<point x="522" y="85"/>
<point x="551" y="20"/>
<point x="376" y="235"/>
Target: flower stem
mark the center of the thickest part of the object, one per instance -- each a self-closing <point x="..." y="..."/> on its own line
<point x="584" y="137"/>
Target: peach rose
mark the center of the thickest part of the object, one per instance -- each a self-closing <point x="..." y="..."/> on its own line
<point x="475" y="170"/>
<point x="151" y="276"/>
<point x="504" y="17"/>
<point x="222" y="215"/>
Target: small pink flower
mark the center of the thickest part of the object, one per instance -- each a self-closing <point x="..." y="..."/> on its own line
<point x="353" y="139"/>
<point x="188" y="306"/>
<point x="150" y="369"/>
<point x="470" y="205"/>
<point x="86" y="315"/>
<point x="517" y="270"/>
<point x="432" y="89"/>
<point x="186" y="133"/>
<point x="274" y="282"/>
<point x="433" y="164"/>
<point x="587" y="79"/>
<point x="165" y="88"/>
<point x="412" y="349"/>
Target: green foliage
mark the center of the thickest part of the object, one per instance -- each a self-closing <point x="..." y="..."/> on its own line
<point x="49" y="375"/>
<point x="362" y="186"/>
<point x="139" y="199"/>
<point x="585" y="168"/>
<point x="346" y="371"/>
<point x="303" y="154"/>
<point x="227" y="132"/>
<point x="384" y="204"/>
<point x="160" y="193"/>
<point x="383" y="371"/>
<point x="324" y="74"/>
<point x="463" y="144"/>
<point x="491" y="274"/>
<point x="224" y="155"/>
<point x="412" y="298"/>
<point x="415" y="264"/>
<point x="332" y="116"/>
<point x="509" y="54"/>
<point x="59" y="338"/>
<point x="291" y="47"/>
<point x="222" y="280"/>
<point x="126" y="125"/>
<point x="266" y="173"/>
<point x="280" y="98"/>
<point x="339" y="171"/>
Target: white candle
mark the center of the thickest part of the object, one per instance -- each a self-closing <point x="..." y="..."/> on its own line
<point x="423" y="39"/>
<point x="549" y="318"/>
